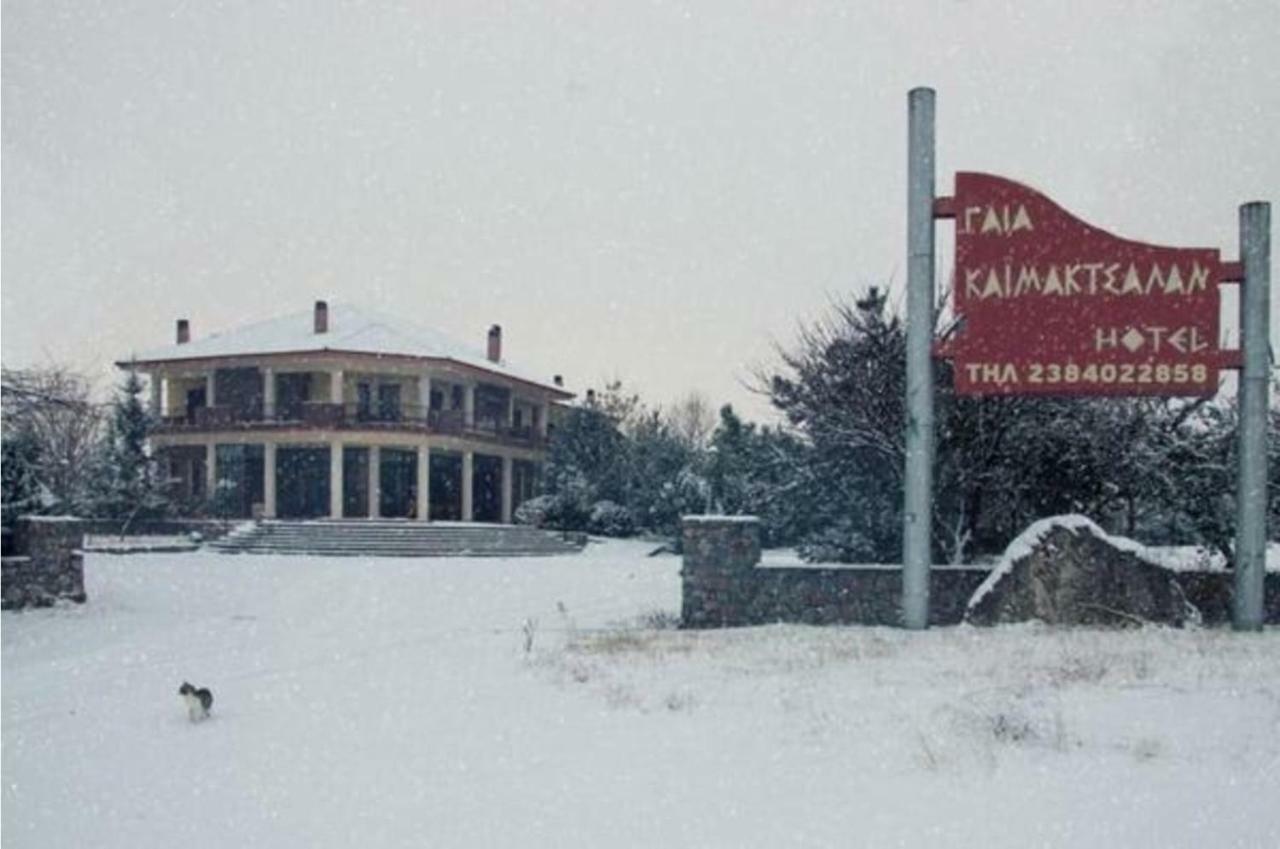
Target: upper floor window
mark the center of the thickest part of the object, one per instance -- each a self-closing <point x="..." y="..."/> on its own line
<point x="389" y="402"/>
<point x="364" y="401"/>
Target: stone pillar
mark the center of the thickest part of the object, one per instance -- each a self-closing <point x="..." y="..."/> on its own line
<point x="469" y="405"/>
<point x="47" y="565"/>
<point x="467" y="458"/>
<point x="543" y="412"/>
<point x="269" y="480"/>
<point x="506" y="490"/>
<point x="511" y="410"/>
<point x="375" y="481"/>
<point x="424" y="397"/>
<point x="718" y="581"/>
<point x="210" y="388"/>
<point x="424" y="483"/>
<point x="335" y="479"/>
<point x="210" y="469"/>
<point x="335" y="386"/>
<point x="269" y="394"/>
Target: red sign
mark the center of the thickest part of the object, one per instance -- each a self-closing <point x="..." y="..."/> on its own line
<point x="1054" y="306"/>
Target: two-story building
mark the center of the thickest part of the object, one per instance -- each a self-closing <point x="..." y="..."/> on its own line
<point x="340" y="412"/>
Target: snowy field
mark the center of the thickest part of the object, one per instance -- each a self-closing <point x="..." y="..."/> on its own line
<point x="393" y="703"/>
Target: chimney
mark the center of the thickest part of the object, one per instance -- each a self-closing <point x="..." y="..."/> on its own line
<point x="184" y="331"/>
<point x="558" y="380"/>
<point x="322" y="317"/>
<point x="591" y="397"/>
<point x="495" y="344"/>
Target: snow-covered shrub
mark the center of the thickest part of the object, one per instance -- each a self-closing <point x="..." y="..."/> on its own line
<point x="535" y="511"/>
<point x="610" y="519"/>
<point x="566" y="510"/>
<point x="571" y="504"/>
<point x="837" y="544"/>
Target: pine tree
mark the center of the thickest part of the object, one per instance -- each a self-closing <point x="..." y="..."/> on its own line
<point x="1161" y="470"/>
<point x="20" y="470"/>
<point x="128" y="483"/>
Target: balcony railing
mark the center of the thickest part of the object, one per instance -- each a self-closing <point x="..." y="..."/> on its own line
<point x="322" y="415"/>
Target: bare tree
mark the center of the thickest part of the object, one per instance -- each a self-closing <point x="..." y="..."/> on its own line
<point x="51" y="408"/>
<point x="691" y="420"/>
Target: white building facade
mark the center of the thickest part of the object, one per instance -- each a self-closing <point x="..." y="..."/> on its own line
<point x="343" y="413"/>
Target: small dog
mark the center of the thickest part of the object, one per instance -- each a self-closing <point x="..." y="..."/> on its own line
<point x="199" y="701"/>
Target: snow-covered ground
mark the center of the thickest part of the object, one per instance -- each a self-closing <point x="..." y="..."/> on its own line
<point x="393" y="703"/>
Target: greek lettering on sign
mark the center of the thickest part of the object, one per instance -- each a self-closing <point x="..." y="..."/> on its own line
<point x="1084" y="278"/>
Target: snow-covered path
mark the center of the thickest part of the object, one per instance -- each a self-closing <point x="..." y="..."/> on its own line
<point x="392" y="703"/>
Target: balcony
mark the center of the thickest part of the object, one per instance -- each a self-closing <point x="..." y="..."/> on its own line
<point x="315" y="415"/>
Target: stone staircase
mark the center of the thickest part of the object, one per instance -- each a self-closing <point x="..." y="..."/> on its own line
<point x="393" y="538"/>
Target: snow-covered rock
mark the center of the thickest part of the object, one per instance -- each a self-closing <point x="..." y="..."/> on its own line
<point x="1067" y="570"/>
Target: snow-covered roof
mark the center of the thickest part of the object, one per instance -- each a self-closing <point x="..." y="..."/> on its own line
<point x="351" y="330"/>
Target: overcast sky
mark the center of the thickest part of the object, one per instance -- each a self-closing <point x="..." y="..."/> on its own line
<point x="655" y="192"/>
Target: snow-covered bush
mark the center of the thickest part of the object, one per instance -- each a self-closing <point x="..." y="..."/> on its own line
<point x="837" y="544"/>
<point x="610" y="519"/>
<point x="565" y="510"/>
<point x="535" y="511"/>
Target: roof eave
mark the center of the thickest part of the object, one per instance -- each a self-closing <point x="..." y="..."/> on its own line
<point x="134" y="363"/>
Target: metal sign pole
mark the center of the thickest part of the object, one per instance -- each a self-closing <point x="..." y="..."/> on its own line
<point x="1255" y="377"/>
<point x="917" y="514"/>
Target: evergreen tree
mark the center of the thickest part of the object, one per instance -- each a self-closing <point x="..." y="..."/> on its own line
<point x="20" y="470"/>
<point x="759" y="471"/>
<point x="844" y="394"/>
<point x="1162" y="470"/>
<point x="664" y="483"/>
<point x="128" y="483"/>
<point x="587" y="462"/>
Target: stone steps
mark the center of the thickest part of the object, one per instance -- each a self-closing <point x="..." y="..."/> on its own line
<point x="390" y="538"/>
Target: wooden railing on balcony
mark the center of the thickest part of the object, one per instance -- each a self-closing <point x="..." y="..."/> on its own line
<point x="327" y="416"/>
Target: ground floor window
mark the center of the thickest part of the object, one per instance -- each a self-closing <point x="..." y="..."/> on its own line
<point x="355" y="481"/>
<point x="185" y="473"/>
<point x="398" y="483"/>
<point x="486" y="488"/>
<point x="239" y="492"/>
<point x="302" y="482"/>
<point x="445" y="486"/>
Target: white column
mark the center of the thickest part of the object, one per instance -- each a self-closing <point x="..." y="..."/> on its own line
<point x="424" y="396"/>
<point x="506" y="490"/>
<point x="210" y="469"/>
<point x="375" y="481"/>
<point x="466" y="486"/>
<point x="424" y="482"/>
<point x="210" y="389"/>
<point x="269" y="394"/>
<point x="269" y="480"/>
<point x="511" y="410"/>
<point x="469" y="405"/>
<point x="335" y="386"/>
<point x="335" y="479"/>
<point x="544" y="417"/>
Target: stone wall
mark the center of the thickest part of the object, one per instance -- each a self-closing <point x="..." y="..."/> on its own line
<point x="47" y="565"/>
<point x="43" y="561"/>
<point x="724" y="585"/>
